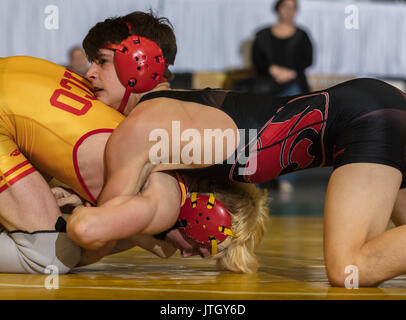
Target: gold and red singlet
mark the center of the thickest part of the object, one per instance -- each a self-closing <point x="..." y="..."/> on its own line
<point x="46" y="112"/>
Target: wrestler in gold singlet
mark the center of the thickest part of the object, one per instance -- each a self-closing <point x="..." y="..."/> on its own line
<point x="46" y="112"/>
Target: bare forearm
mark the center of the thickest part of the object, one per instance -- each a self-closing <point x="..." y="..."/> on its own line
<point x="93" y="256"/>
<point x="93" y="227"/>
<point x="158" y="247"/>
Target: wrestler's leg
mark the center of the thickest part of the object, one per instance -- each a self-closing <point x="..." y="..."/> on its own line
<point x="28" y="209"/>
<point x="359" y="202"/>
<point x="28" y="205"/>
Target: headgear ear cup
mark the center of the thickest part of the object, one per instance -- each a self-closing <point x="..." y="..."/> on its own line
<point x="139" y="63"/>
<point x="205" y="220"/>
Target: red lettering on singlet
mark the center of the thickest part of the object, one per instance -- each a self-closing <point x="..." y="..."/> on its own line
<point x="61" y="105"/>
<point x="66" y="83"/>
<point x="79" y="83"/>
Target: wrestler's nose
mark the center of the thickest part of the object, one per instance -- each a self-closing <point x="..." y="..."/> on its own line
<point x="91" y="72"/>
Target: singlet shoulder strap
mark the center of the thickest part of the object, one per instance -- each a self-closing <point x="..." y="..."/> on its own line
<point x="155" y="94"/>
<point x="208" y="96"/>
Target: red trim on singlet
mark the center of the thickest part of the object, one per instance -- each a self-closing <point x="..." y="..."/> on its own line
<point x="20" y="165"/>
<point x="20" y="176"/>
<point x="75" y="161"/>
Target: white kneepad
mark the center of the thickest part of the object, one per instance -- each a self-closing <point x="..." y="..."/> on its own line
<point x="37" y="252"/>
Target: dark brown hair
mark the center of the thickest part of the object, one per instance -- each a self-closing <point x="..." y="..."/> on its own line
<point x="279" y="3"/>
<point x="115" y="29"/>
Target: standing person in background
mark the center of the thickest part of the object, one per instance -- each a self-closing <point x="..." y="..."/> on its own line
<point x="282" y="52"/>
<point x="280" y="55"/>
<point x="78" y="61"/>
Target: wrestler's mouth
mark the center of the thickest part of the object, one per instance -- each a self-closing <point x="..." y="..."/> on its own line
<point x="96" y="90"/>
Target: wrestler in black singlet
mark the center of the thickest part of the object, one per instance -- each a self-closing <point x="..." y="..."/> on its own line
<point x="361" y="120"/>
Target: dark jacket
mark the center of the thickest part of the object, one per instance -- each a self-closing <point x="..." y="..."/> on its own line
<point x="295" y="52"/>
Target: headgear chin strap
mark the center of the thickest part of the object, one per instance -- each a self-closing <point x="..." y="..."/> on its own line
<point x="205" y="220"/>
<point x="139" y="63"/>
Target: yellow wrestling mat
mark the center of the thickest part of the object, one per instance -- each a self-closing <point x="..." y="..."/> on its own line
<point x="292" y="267"/>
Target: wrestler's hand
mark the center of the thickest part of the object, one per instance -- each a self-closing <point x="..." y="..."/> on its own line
<point x="187" y="246"/>
<point x="65" y="198"/>
<point x="282" y="74"/>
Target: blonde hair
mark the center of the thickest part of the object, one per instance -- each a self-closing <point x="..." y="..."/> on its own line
<point x="248" y="207"/>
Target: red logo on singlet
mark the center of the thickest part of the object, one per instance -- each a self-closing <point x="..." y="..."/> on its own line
<point x="290" y="142"/>
<point x="15" y="153"/>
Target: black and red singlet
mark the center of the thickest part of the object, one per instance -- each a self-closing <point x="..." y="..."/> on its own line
<point x="361" y="120"/>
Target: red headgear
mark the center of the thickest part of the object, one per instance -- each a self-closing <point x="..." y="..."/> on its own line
<point x="140" y="65"/>
<point x="206" y="220"/>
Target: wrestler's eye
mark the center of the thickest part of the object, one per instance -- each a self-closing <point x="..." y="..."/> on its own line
<point x="101" y="62"/>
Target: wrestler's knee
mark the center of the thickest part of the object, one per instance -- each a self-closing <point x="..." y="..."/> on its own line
<point x="37" y="252"/>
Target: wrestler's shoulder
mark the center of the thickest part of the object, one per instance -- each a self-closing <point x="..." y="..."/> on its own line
<point x="159" y="104"/>
<point x="157" y="110"/>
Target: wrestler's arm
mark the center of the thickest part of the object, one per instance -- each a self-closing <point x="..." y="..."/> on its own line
<point x="127" y="157"/>
<point x="158" y="247"/>
<point x="131" y="148"/>
<point x="153" y="210"/>
<point x="128" y="166"/>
